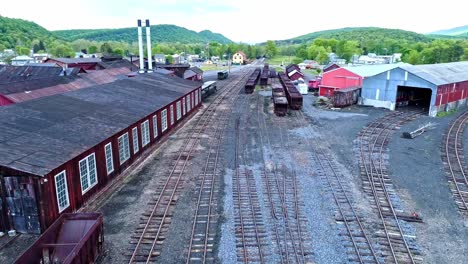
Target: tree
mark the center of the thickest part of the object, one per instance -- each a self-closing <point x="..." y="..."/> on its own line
<point x="106" y="48"/>
<point x="413" y="57"/>
<point x="170" y="59"/>
<point x="270" y="49"/>
<point x="92" y="49"/>
<point x="118" y="51"/>
<point x="22" y="50"/>
<point x="62" y="51"/>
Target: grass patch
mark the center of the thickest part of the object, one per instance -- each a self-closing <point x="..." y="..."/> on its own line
<point x="213" y="67"/>
<point x="310" y="71"/>
<point x="281" y="60"/>
<point x="446" y="113"/>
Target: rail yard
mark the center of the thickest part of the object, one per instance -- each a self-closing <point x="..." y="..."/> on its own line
<point x="260" y="174"/>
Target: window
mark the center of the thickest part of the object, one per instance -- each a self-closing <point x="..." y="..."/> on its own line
<point x="135" y="140"/>
<point x="145" y="133"/>
<point x="88" y="173"/>
<point x="124" y="149"/>
<point x="164" y="120"/>
<point x="155" y="126"/>
<point x="196" y="97"/>
<point x="62" y="191"/>
<point x="188" y="103"/>
<point x="172" y="114"/>
<point x="183" y="105"/>
<point x="109" y="160"/>
<point x="178" y="110"/>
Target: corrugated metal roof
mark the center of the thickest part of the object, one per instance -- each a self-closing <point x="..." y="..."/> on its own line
<point x="25" y="91"/>
<point x="371" y="70"/>
<point x="40" y="135"/>
<point x="442" y="73"/>
<point x="10" y="74"/>
<point x="75" y="60"/>
<point x="189" y="74"/>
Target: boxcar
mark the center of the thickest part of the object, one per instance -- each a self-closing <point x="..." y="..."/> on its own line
<point x="280" y="105"/>
<point x="223" y="75"/>
<point x="252" y="81"/>
<point x="73" y="238"/>
<point x="208" y="88"/>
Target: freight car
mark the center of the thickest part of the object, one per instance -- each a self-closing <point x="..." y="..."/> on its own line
<point x="223" y="75"/>
<point x="280" y="105"/>
<point x="208" y="88"/>
<point x="295" y="99"/>
<point x="252" y="81"/>
<point x="73" y="238"/>
<point x="265" y="74"/>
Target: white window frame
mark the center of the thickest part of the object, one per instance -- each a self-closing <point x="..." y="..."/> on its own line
<point x="65" y="206"/>
<point x="145" y="133"/>
<point x="88" y="174"/>
<point x="171" y="108"/>
<point x="196" y="97"/>
<point x="183" y="105"/>
<point x="109" y="157"/>
<point x="155" y="126"/>
<point x="164" y="120"/>
<point x="136" y="147"/>
<point x="178" y="110"/>
<point x="189" y="100"/>
<point x="125" y="155"/>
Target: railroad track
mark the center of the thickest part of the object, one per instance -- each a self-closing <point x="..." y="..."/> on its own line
<point x="148" y="238"/>
<point x="282" y="192"/>
<point x="357" y="241"/>
<point x="395" y="245"/>
<point x="454" y="162"/>
<point x="205" y="222"/>
<point x="251" y="235"/>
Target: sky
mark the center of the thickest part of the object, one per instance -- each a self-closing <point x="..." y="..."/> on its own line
<point x="249" y="21"/>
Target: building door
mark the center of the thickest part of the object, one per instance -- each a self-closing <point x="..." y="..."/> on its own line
<point x="21" y="205"/>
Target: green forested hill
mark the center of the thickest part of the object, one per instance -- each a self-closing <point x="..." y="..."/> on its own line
<point x="18" y="32"/>
<point x="159" y="33"/>
<point x="361" y="34"/>
<point x="458" y="31"/>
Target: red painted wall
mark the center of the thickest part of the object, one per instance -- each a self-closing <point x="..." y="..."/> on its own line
<point x="5" y="101"/>
<point x="339" y="78"/>
<point x="48" y="202"/>
<point x="448" y="93"/>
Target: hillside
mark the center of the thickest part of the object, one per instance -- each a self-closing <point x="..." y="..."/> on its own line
<point x="463" y="30"/>
<point x="360" y="34"/>
<point x="159" y="33"/>
<point x="15" y="32"/>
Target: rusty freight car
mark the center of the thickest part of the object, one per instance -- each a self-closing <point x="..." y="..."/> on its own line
<point x="252" y="81"/>
<point x="295" y="99"/>
<point x="58" y="152"/>
<point x="280" y="105"/>
<point x="72" y="239"/>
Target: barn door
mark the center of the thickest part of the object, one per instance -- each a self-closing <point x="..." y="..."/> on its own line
<point x="22" y="205"/>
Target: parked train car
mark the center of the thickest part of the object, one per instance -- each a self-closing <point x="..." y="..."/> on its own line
<point x="295" y="99"/>
<point x="73" y="238"/>
<point x="280" y="105"/>
<point x="265" y="75"/>
<point x="223" y="75"/>
<point x="252" y="81"/>
<point x="208" y="88"/>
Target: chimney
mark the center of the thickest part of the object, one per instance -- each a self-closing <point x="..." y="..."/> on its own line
<point x="148" y="46"/>
<point x="140" y="46"/>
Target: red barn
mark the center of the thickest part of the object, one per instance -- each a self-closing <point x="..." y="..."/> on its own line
<point x="58" y="152"/>
<point x="350" y="77"/>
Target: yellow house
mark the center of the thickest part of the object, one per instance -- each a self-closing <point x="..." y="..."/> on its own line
<point x="239" y="57"/>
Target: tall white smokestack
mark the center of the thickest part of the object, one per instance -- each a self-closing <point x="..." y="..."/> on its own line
<point x="148" y="46"/>
<point x="140" y="46"/>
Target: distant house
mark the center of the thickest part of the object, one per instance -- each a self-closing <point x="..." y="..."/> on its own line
<point x="311" y="64"/>
<point x="215" y="59"/>
<point x="208" y="62"/>
<point x="40" y="57"/>
<point x="194" y="74"/>
<point x="160" y="58"/>
<point x="193" y="58"/>
<point x="22" y="60"/>
<point x="294" y="72"/>
<point x="84" y="64"/>
<point x="239" y="57"/>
